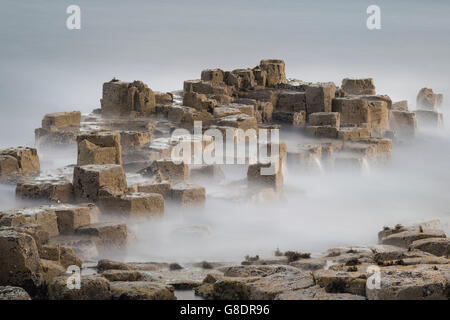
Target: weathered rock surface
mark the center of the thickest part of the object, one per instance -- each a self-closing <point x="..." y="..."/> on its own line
<point x="89" y="180"/>
<point x="125" y="98"/>
<point x="188" y="194"/>
<point x="19" y="261"/>
<point x="134" y="205"/>
<point x="18" y="161"/>
<point x="358" y="86"/>
<point x="141" y="290"/>
<point x="91" y="288"/>
<point x="13" y="293"/>
<point x="108" y="235"/>
<point x="436" y="246"/>
<point x="419" y="282"/>
<point x="57" y="188"/>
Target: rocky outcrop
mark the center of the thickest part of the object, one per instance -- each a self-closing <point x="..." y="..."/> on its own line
<point x="99" y="148"/>
<point x="16" y="162"/>
<point x="90" y="180"/>
<point x="125" y="98"/>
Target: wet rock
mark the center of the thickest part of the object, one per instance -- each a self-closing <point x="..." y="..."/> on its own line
<point x="91" y="288"/>
<point x="19" y="261"/>
<point x="108" y="235"/>
<point x="49" y="252"/>
<point x="268" y="288"/>
<point x="190" y="118"/>
<point x="163" y="98"/>
<point x="124" y="98"/>
<point x="304" y="155"/>
<point x="419" y="282"/>
<point x="188" y="194"/>
<point x="141" y="290"/>
<point x="124" y="275"/>
<point x="71" y="249"/>
<point x="278" y="260"/>
<point x="99" y="148"/>
<point x="89" y="180"/>
<point x="241" y="79"/>
<point x="436" y="246"/>
<point x="68" y="258"/>
<point x="225" y="111"/>
<point x="358" y="86"/>
<point x="325" y="132"/>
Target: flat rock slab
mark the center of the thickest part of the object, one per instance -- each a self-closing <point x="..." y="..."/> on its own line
<point x="436" y="246"/>
<point x="141" y="290"/>
<point x="418" y="282"/>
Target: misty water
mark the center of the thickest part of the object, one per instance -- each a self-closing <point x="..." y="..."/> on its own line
<point x="47" y="68"/>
